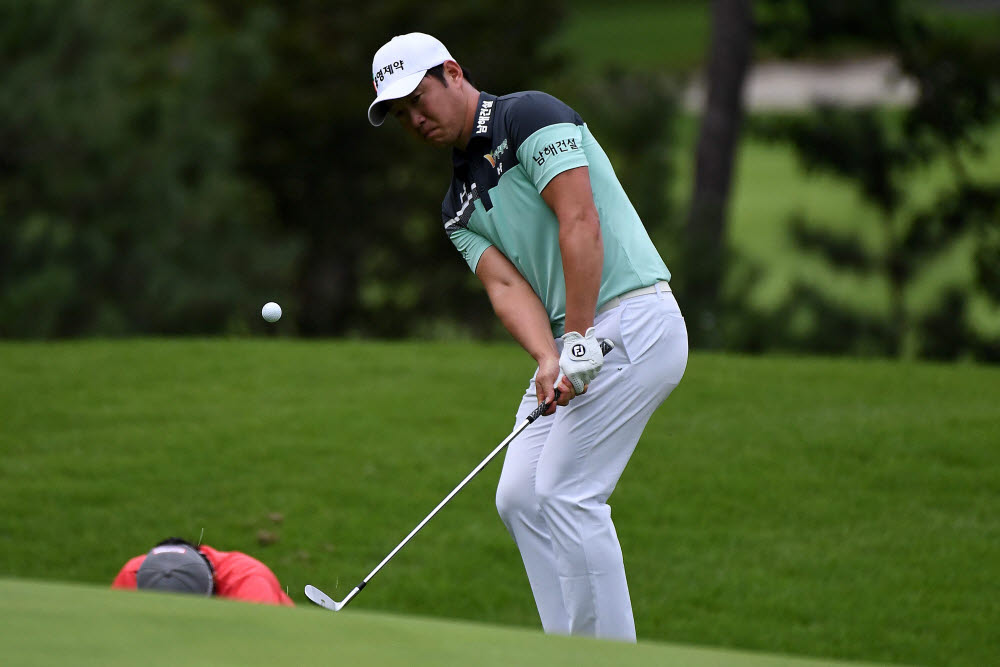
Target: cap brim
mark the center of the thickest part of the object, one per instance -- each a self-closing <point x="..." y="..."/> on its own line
<point x="380" y="107"/>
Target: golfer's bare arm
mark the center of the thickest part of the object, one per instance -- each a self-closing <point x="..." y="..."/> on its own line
<point x="520" y="310"/>
<point x="569" y="196"/>
<point x="516" y="304"/>
<point x="522" y="313"/>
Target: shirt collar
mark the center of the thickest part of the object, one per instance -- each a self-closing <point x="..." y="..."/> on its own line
<point x="482" y="126"/>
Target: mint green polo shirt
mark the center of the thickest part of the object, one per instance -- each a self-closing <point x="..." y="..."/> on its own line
<point x="519" y="143"/>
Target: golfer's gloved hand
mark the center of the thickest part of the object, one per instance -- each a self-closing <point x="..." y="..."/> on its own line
<point x="581" y="359"/>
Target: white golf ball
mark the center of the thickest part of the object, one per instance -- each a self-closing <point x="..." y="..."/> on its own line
<point x="271" y="311"/>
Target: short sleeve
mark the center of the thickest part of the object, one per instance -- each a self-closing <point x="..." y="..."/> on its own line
<point x="470" y="244"/>
<point x="550" y="151"/>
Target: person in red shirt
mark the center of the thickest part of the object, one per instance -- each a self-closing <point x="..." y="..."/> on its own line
<point x="177" y="565"/>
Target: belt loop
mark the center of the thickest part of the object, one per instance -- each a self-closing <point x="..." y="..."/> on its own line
<point x="659" y="290"/>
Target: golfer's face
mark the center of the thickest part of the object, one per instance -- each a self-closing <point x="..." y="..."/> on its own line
<point x="432" y="112"/>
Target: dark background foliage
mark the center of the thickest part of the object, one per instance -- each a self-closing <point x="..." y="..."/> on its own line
<point x="166" y="167"/>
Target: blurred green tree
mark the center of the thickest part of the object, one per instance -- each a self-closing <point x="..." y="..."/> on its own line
<point x="958" y="96"/>
<point x="366" y="201"/>
<point x="167" y="167"/>
<point x="120" y="208"/>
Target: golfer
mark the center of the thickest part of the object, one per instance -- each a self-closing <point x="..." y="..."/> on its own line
<point x="536" y="211"/>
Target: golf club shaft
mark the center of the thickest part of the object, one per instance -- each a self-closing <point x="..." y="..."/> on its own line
<point x="606" y="347"/>
<point x="447" y="498"/>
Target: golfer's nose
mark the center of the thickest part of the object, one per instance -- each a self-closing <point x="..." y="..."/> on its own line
<point x="416" y="118"/>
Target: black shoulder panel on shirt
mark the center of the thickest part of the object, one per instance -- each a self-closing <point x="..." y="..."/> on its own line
<point x="526" y="113"/>
<point x="506" y="122"/>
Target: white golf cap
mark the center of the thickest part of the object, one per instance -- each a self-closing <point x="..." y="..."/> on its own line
<point x="399" y="66"/>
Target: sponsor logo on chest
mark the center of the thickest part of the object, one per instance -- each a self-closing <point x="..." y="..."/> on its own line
<point x="494" y="157"/>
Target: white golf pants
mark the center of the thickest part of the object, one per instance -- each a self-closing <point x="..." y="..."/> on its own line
<point x="559" y="473"/>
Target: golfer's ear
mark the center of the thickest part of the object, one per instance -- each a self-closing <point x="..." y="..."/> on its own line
<point x="453" y="71"/>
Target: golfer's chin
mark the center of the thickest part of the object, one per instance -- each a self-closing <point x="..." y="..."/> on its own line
<point x="435" y="137"/>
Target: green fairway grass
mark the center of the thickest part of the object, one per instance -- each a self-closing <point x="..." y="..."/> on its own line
<point x="813" y="507"/>
<point x="47" y="624"/>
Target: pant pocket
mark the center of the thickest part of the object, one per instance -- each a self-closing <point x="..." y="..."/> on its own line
<point x="642" y="324"/>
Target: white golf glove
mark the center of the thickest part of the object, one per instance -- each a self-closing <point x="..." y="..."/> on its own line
<point x="581" y="359"/>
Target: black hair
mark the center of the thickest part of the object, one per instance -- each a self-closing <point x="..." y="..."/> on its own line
<point x="438" y="73"/>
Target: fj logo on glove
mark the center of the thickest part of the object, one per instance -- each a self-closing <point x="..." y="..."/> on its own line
<point x="578" y="350"/>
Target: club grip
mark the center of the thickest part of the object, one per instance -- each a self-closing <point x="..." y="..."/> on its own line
<point x="606" y="346"/>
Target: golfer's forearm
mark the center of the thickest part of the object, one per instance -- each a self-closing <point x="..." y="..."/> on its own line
<point x="523" y="315"/>
<point x="583" y="258"/>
